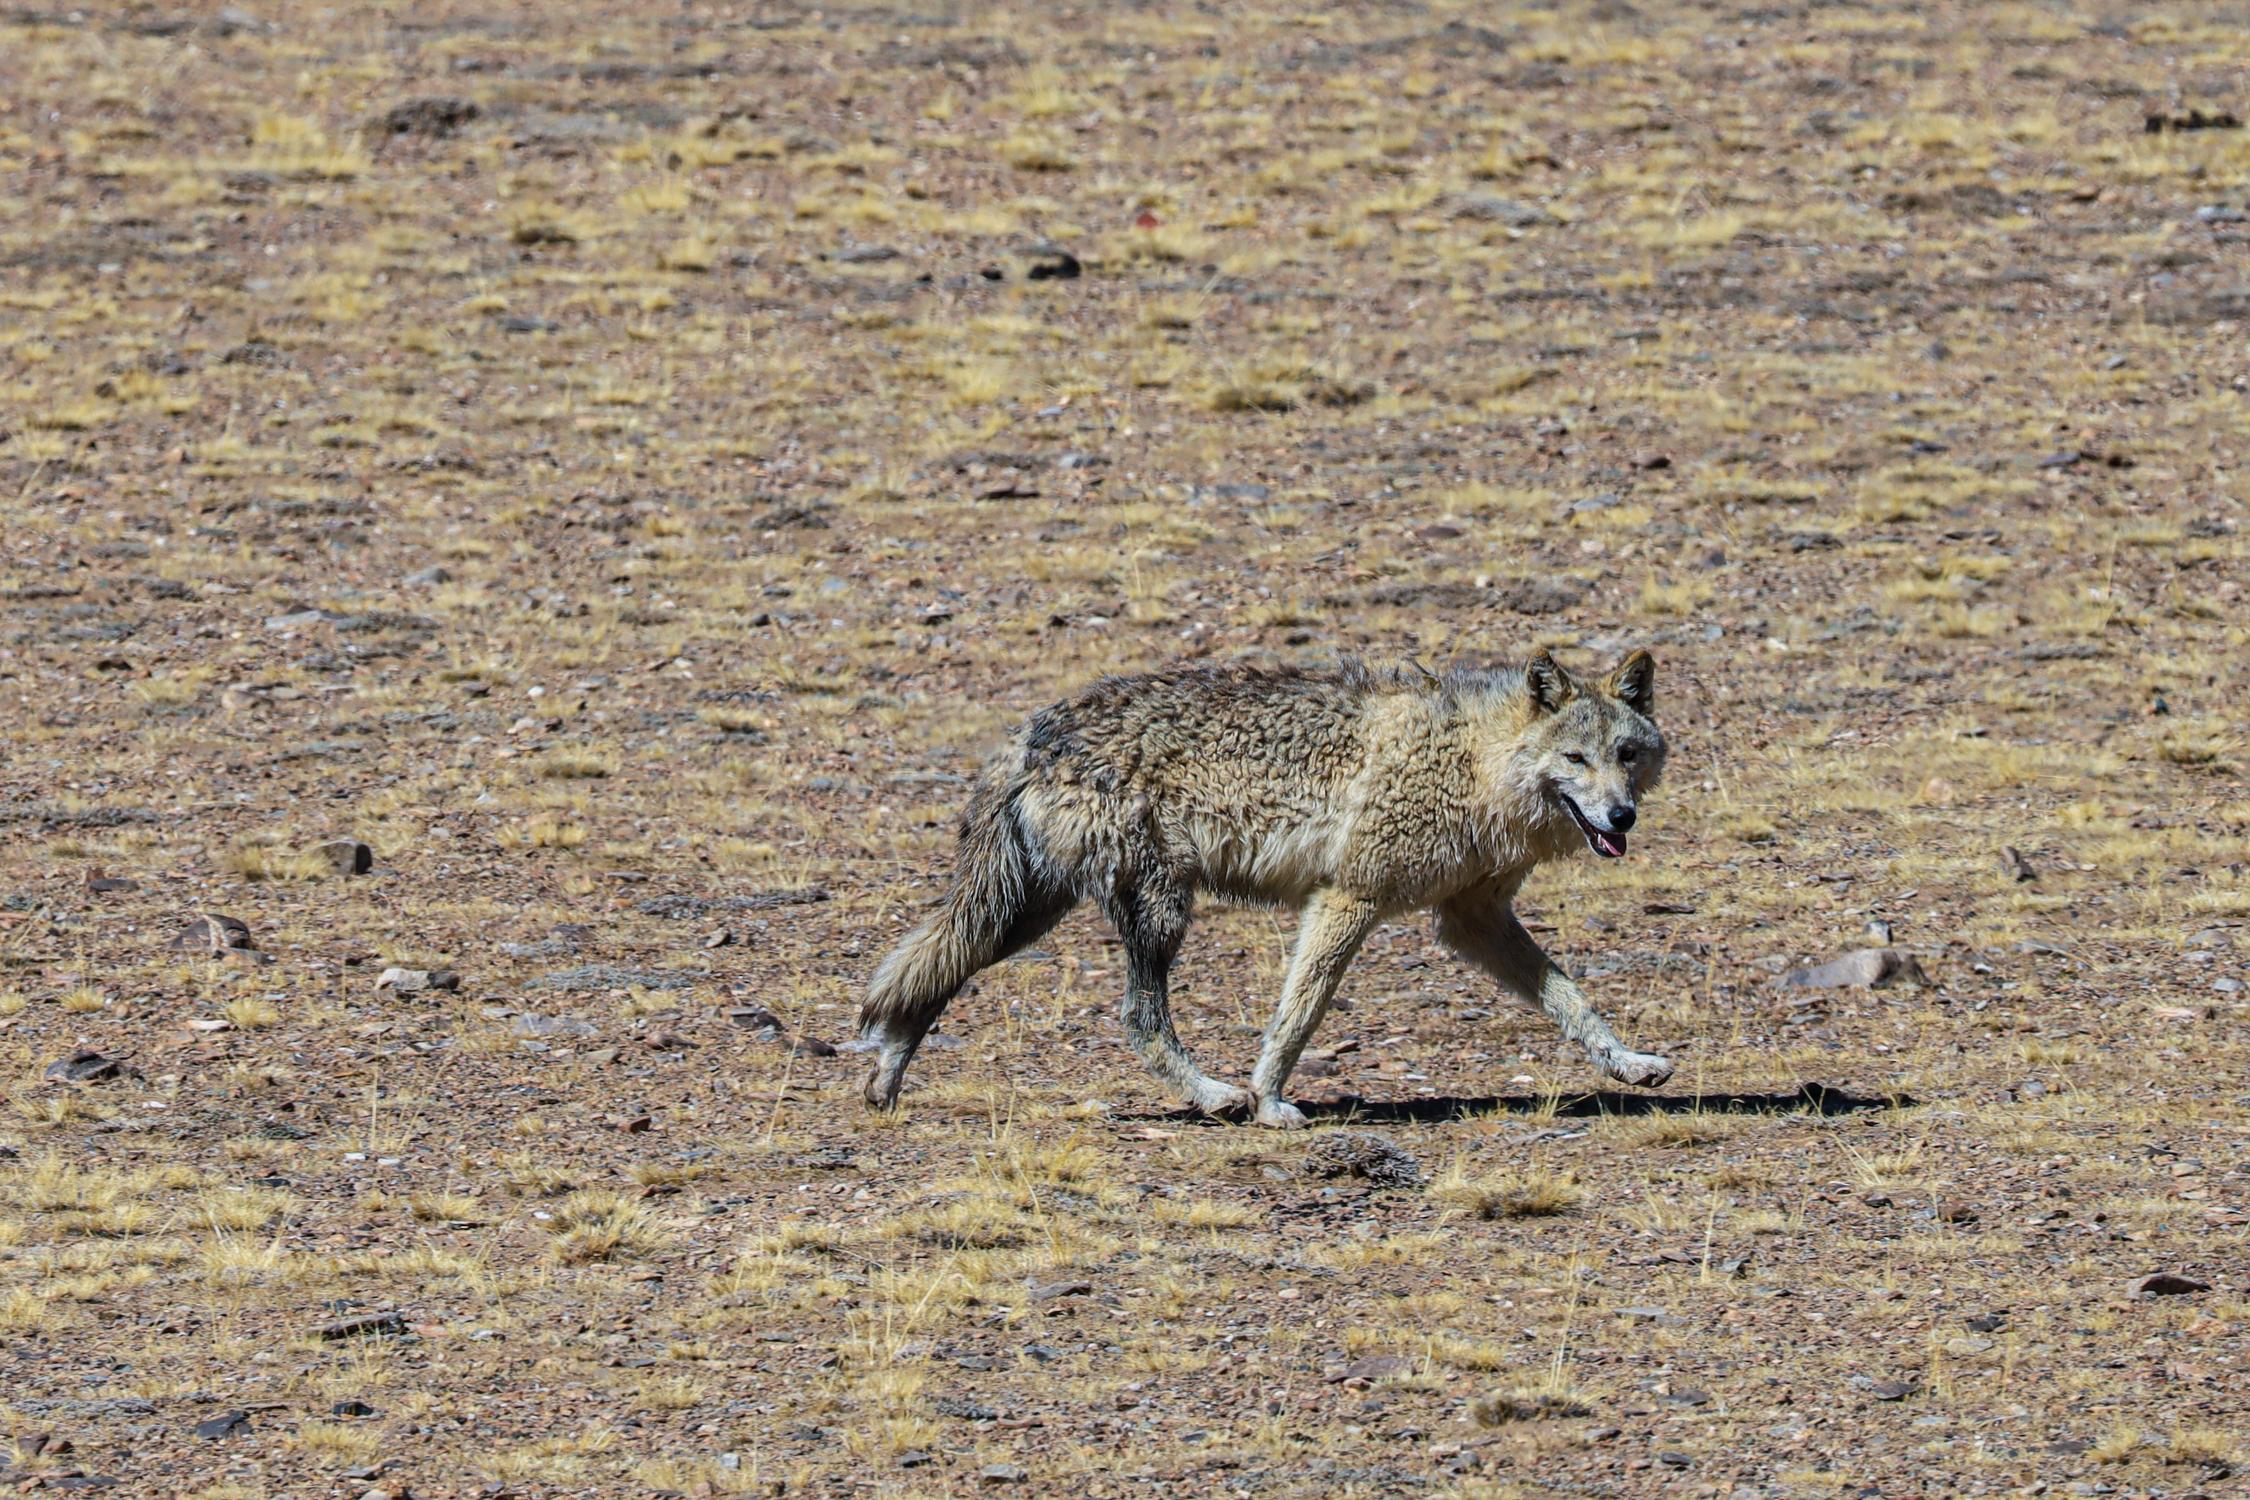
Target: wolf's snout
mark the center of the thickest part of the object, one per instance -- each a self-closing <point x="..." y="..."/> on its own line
<point x="1621" y="817"/>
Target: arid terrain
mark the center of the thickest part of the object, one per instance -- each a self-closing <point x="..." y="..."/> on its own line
<point x="519" y="522"/>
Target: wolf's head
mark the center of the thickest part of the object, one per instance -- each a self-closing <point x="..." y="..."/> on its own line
<point x="1590" y="750"/>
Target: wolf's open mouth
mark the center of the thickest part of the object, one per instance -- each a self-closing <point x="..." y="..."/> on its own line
<point x="1607" y="845"/>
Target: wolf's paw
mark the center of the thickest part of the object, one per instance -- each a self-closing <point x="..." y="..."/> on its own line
<point x="1280" y="1114"/>
<point x="881" y="1089"/>
<point x="1215" y="1098"/>
<point x="1641" y="1069"/>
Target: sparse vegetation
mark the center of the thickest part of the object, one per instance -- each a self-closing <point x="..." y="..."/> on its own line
<point x="628" y="467"/>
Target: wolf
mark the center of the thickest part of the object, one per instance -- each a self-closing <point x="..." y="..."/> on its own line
<point x="1352" y="793"/>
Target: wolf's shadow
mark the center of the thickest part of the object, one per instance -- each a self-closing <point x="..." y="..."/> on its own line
<point x="1808" y="1098"/>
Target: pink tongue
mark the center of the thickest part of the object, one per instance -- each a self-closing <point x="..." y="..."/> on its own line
<point x="1612" y="844"/>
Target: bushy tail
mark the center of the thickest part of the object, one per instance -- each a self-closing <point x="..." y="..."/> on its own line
<point x="995" y="904"/>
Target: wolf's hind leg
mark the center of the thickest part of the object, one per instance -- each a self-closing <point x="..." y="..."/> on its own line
<point x="1333" y="927"/>
<point x="1481" y="926"/>
<point x="1152" y="918"/>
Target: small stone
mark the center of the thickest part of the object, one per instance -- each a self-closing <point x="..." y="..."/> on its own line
<point x="531" y="1025"/>
<point x="214" y="933"/>
<point x="865" y="255"/>
<point x="1864" y="968"/>
<point x="1053" y="1289"/>
<point x="415" y="981"/>
<point x="353" y="1409"/>
<point x="635" y="1124"/>
<point x="226" y="1425"/>
<point x="1494" y="209"/>
<point x="914" y="1458"/>
<point x="2169" y="1284"/>
<point x="346" y="856"/>
<point x="1956" y="1213"/>
<point x="1650" y="459"/>
<point x="810" y="1046"/>
<point x="1373" y="1367"/>
<point x="428" y="578"/>
<point x="1002" y="1474"/>
<point x="2019" y="869"/>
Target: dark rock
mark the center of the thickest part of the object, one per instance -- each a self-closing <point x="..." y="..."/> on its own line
<point x="389" y="1325"/>
<point x="1364" y="1155"/>
<point x="864" y="255"/>
<point x="756" y="1018"/>
<point x="88" y="1066"/>
<point x="226" y="1425"/>
<point x="214" y="933"/>
<point x="2193" y="119"/>
<point x="1373" y="1367"/>
<point x="346" y="856"/>
<point x="1002" y="1474"/>
<point x="440" y="116"/>
<point x="2169" y="1284"/>
<point x="1054" y="1289"/>
<point x="1495" y="209"/>
<point x="353" y="1409"/>
<point x="812" y="1046"/>
<point x="962" y="1410"/>
<point x="1503" y="1407"/>
<point x="1057" y="265"/>
<point x="2019" y="869"/>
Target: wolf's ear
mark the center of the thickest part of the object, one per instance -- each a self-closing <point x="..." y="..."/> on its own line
<point x="1633" y="683"/>
<point x="1547" y="685"/>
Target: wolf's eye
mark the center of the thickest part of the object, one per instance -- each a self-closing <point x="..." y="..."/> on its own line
<point x="1574" y="757"/>
<point x="1625" y="754"/>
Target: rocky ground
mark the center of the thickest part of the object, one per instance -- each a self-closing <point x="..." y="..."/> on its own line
<point x="520" y="523"/>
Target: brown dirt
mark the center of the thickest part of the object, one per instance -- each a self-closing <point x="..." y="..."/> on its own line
<point x="632" y="505"/>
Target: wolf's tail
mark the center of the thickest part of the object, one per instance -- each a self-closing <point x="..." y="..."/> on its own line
<point x="999" y="899"/>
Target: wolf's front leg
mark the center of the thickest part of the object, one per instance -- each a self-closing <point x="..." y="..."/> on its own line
<point x="1481" y="926"/>
<point x="1333" y="927"/>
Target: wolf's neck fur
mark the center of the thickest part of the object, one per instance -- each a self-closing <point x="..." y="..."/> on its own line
<point x="1516" y="825"/>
